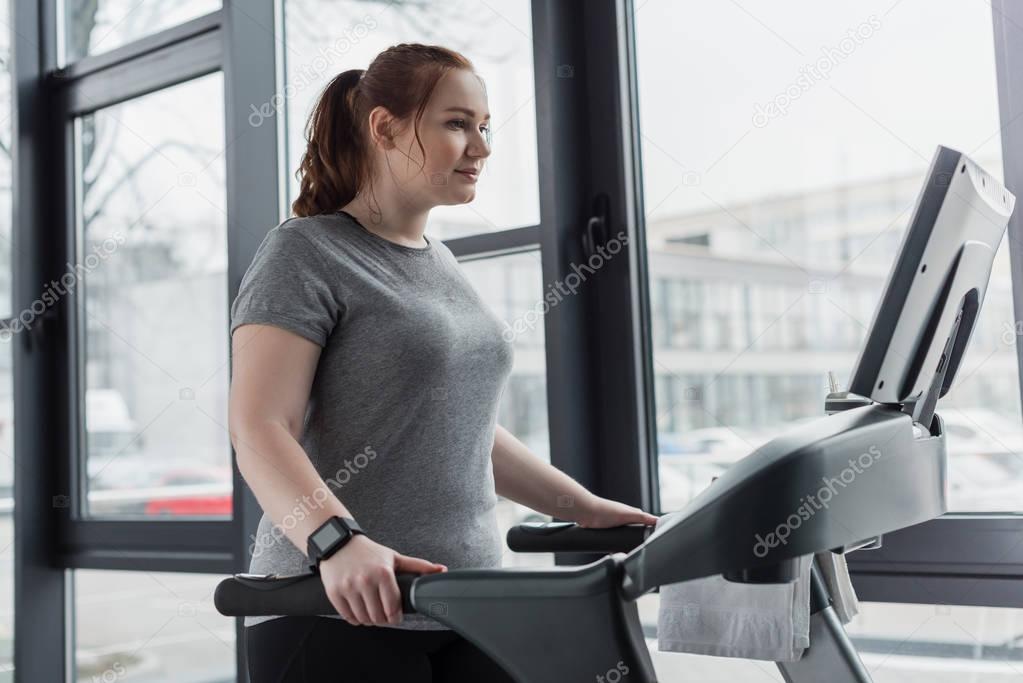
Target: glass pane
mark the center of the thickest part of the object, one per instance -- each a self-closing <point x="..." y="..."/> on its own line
<point x="151" y="627"/>
<point x="7" y="469"/>
<point x="775" y="210"/>
<point x="154" y="324"/>
<point x="7" y="474"/>
<point x="898" y="643"/>
<point x="325" y="37"/>
<point x="512" y="287"/>
<point x="96" y="26"/>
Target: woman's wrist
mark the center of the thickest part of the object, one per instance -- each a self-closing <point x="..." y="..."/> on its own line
<point x="581" y="509"/>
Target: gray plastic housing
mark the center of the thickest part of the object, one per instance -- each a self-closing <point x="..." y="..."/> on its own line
<point x="548" y="625"/>
<point x="902" y="481"/>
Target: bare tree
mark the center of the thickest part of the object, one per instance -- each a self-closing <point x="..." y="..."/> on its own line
<point x="99" y="136"/>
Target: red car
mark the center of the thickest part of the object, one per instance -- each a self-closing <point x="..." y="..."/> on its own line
<point x="193" y="491"/>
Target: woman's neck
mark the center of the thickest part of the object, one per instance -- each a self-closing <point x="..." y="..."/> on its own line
<point x="403" y="226"/>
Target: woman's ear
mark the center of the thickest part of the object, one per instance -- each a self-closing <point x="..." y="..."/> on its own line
<point x="381" y="127"/>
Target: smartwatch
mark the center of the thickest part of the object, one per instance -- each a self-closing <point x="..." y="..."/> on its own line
<point x="330" y="537"/>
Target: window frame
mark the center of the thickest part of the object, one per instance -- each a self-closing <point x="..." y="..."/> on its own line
<point x="917" y="560"/>
<point x="599" y="346"/>
<point x="916" y="564"/>
<point x="46" y="103"/>
<point x="231" y="40"/>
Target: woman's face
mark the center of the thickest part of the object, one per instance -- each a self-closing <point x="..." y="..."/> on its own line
<point x="454" y="131"/>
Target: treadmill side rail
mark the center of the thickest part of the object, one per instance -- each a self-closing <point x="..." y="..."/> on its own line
<point x="827" y="484"/>
<point x="544" y="625"/>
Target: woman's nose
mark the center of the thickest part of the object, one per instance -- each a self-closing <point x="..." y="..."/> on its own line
<point x="478" y="151"/>
<point x="479" y="147"/>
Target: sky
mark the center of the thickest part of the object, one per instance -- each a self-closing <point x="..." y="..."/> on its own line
<point x="921" y="74"/>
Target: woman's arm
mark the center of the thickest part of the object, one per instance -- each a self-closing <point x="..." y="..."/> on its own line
<point x="271" y="376"/>
<point x="524" y="478"/>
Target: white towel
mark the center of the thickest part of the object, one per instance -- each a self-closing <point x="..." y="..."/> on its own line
<point x="713" y="616"/>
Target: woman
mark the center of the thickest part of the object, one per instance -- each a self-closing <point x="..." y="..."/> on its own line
<point x="366" y="380"/>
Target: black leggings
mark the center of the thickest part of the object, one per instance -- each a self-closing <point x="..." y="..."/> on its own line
<point x="326" y="650"/>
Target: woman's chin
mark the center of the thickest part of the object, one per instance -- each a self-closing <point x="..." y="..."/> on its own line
<point x="462" y="195"/>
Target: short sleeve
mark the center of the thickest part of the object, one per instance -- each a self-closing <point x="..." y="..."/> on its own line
<point x="291" y="285"/>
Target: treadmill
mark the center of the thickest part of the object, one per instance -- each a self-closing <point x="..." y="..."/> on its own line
<point x="576" y="623"/>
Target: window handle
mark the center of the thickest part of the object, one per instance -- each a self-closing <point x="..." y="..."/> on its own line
<point x="595" y="233"/>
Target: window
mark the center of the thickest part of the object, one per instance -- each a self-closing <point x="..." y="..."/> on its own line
<point x="7" y="463"/>
<point x="326" y="37"/>
<point x="153" y="325"/>
<point x="897" y="643"/>
<point x="95" y="26"/>
<point x="798" y="170"/>
<point x="950" y="642"/>
<point x="803" y="185"/>
<point x="150" y="626"/>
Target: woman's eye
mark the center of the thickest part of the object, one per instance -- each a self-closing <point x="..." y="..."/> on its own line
<point x="460" y="123"/>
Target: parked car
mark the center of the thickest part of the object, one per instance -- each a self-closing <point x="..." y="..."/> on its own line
<point x="193" y="490"/>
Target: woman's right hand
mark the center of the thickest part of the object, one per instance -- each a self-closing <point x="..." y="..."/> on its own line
<point x="359" y="581"/>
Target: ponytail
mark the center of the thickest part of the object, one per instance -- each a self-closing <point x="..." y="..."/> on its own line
<point x="332" y="168"/>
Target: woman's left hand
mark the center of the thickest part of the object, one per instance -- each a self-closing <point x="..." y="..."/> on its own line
<point x="601" y="513"/>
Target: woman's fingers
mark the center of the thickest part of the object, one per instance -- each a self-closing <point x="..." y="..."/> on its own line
<point x="358" y="608"/>
<point x="390" y="597"/>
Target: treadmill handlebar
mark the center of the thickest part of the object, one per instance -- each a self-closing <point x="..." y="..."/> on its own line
<point x="257" y="595"/>
<point x="550" y="537"/>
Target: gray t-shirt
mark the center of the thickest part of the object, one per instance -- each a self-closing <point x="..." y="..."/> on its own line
<point x="403" y="406"/>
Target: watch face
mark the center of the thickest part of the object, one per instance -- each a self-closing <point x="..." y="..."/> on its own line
<point x="326" y="537"/>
